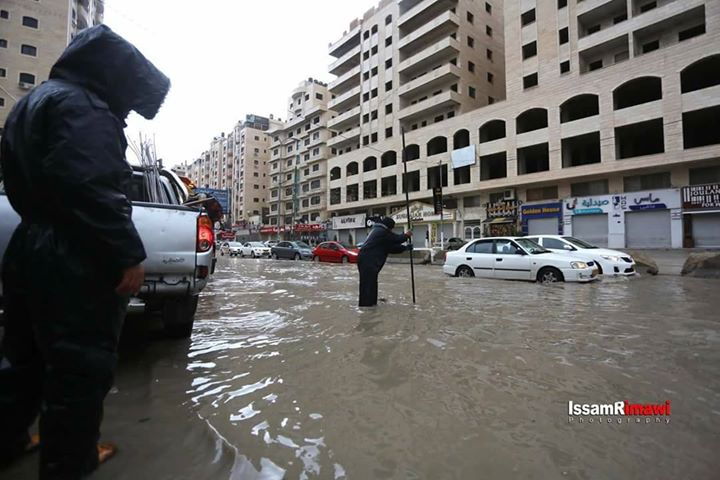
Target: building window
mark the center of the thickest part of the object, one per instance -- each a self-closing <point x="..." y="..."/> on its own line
<point x="3" y="43"/>
<point x="565" y="66"/>
<point x="471" y="92"/>
<point x="388" y="63"/>
<point x="691" y="32"/>
<point x="489" y="54"/>
<point x="388" y="132"/>
<point x="596" y="65"/>
<point x="488" y="8"/>
<point x="374" y="29"/>
<point x="388" y="86"/>
<point x="651" y="181"/>
<point x="529" y="50"/>
<point x="374" y="93"/>
<point x="470" y="17"/>
<point x="374" y="71"/>
<point x="366" y="35"/>
<point x="2" y="102"/>
<point x="470" y="42"/>
<point x="490" y="77"/>
<point x="488" y="31"/>
<point x="388" y="20"/>
<point x="319" y="96"/>
<point x="647" y="7"/>
<point x="651" y="46"/>
<point x="562" y="4"/>
<point x="491" y="100"/>
<point x="30" y="22"/>
<point x="454" y="87"/>
<point x="27" y="78"/>
<point x="530" y="81"/>
<point x="471" y="67"/>
<point x="3" y="73"/>
<point x="374" y="50"/>
<point x="563" y="34"/>
<point x="388" y="41"/>
<point x="528" y="17"/>
<point x="4" y="14"/>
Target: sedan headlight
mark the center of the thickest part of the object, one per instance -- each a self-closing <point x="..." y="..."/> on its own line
<point x="612" y="258"/>
<point x="578" y="265"/>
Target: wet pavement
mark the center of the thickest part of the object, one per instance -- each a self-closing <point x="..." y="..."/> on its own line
<point x="285" y="378"/>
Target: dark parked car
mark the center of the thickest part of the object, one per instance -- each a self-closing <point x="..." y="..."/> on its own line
<point x="455" y="243"/>
<point x="291" y="250"/>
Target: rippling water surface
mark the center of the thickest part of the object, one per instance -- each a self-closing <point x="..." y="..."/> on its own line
<point x="285" y="378"/>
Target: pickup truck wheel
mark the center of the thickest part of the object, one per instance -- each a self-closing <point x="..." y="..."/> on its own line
<point x="178" y="316"/>
<point x="297" y="256"/>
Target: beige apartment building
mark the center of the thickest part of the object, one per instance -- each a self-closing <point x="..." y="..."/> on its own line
<point x="33" y="34"/>
<point x="610" y="132"/>
<point x="298" y="165"/>
<point x="238" y="163"/>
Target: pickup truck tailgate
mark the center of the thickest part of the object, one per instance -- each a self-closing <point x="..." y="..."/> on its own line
<point x="170" y="234"/>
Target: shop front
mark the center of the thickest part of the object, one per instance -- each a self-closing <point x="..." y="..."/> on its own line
<point x="427" y="224"/>
<point x="310" y="233"/>
<point x="502" y="219"/>
<point x="347" y="228"/>
<point x="701" y="215"/>
<point x="542" y="219"/>
<point x="649" y="219"/>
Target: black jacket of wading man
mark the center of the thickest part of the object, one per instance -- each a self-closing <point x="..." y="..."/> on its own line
<point x="379" y="244"/>
<point x="63" y="150"/>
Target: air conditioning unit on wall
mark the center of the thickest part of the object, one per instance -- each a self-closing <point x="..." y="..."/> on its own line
<point x="509" y="194"/>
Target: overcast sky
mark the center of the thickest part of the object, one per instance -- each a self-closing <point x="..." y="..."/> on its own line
<point x="227" y="58"/>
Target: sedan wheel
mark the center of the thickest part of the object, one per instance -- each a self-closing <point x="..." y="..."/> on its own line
<point x="297" y="256"/>
<point x="344" y="259"/>
<point x="316" y="259"/>
<point x="465" y="272"/>
<point x="253" y="255"/>
<point x="549" y="275"/>
<point x="274" y="256"/>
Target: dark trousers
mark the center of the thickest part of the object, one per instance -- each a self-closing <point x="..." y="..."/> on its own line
<point x="369" y="269"/>
<point x="58" y="353"/>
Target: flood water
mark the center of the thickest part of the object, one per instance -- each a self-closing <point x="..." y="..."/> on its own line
<point x="285" y="378"/>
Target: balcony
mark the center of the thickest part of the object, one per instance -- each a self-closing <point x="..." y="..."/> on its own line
<point x="348" y="41"/>
<point x="433" y="104"/>
<point x="346" y="62"/>
<point x="342" y="138"/>
<point x="432" y="31"/>
<point x="421" y="13"/>
<point x="445" y="49"/>
<point x="430" y="80"/>
<point x="346" y="100"/>
<point x="346" y="119"/>
<point x="346" y="81"/>
<point x="638" y="113"/>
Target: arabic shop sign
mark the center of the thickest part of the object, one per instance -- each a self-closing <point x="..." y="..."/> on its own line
<point x="657" y="199"/>
<point x="502" y="209"/>
<point x="349" y="221"/>
<point x="701" y="196"/>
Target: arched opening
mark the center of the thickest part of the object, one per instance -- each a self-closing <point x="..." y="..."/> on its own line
<point x="533" y="119"/>
<point x="388" y="159"/>
<point x="702" y="74"/>
<point x="412" y="152"/>
<point x="461" y="139"/>
<point x="580" y="106"/>
<point x="436" y="145"/>
<point x="335" y="173"/>
<point x="492" y="130"/>
<point x="369" y="164"/>
<point x="351" y="169"/>
<point x="637" y="91"/>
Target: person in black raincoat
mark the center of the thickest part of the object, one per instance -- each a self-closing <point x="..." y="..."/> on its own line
<point x="76" y="257"/>
<point x="374" y="251"/>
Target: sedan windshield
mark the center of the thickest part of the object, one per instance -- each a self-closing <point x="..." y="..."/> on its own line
<point x="579" y="243"/>
<point x="532" y="247"/>
<point x="256" y="244"/>
<point x="234" y="244"/>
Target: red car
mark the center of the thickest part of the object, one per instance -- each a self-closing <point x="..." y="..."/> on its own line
<point x="335" y="252"/>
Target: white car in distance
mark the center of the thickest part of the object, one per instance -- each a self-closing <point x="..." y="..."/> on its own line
<point x="610" y="262"/>
<point x="512" y="258"/>
<point x="254" y="250"/>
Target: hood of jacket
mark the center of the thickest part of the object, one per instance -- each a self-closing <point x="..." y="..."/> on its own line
<point x="114" y="70"/>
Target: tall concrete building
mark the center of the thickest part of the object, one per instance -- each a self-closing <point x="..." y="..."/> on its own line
<point x="610" y="132"/>
<point x="33" y="34"/>
<point x="298" y="165"/>
<point x="238" y="162"/>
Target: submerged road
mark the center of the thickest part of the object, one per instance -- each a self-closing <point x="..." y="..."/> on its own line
<point x="285" y="378"/>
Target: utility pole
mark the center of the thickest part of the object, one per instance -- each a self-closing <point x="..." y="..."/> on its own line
<point x="442" y="206"/>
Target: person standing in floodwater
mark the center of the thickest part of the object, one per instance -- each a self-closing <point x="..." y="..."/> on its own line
<point x="379" y="244"/>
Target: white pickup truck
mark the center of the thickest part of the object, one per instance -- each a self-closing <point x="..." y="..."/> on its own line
<point x="179" y="243"/>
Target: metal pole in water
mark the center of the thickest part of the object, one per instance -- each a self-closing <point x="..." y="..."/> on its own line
<point x="407" y="208"/>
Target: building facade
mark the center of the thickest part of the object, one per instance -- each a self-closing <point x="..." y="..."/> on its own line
<point x="32" y="37"/>
<point x="238" y="164"/>
<point x="612" y="106"/>
<point x="298" y="165"/>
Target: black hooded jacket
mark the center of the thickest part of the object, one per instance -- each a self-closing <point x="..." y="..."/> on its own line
<point x="63" y="148"/>
<point x="380" y="243"/>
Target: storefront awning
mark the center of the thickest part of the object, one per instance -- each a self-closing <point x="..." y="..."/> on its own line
<point x="500" y="220"/>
